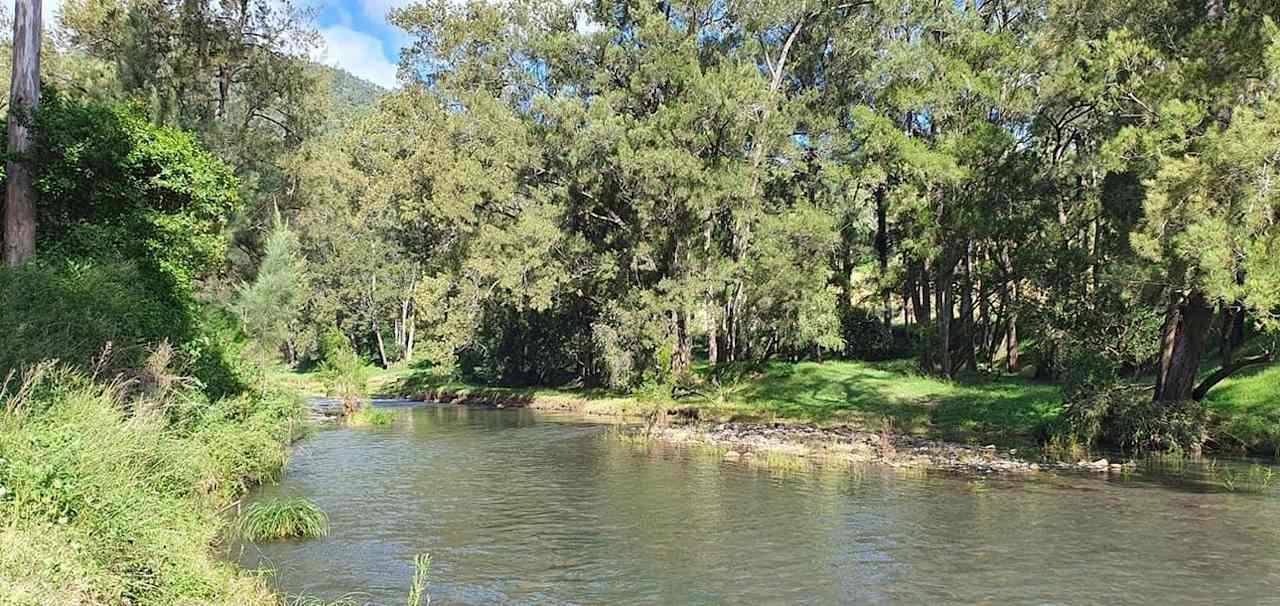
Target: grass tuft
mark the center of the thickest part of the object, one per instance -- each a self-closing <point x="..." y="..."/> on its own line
<point x="283" y="519"/>
<point x="369" y="416"/>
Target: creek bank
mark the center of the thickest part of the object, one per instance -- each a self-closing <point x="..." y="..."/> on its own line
<point x="681" y="426"/>
<point x="743" y="441"/>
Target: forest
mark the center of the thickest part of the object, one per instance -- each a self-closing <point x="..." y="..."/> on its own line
<point x="1077" y="201"/>
<point x="618" y="193"/>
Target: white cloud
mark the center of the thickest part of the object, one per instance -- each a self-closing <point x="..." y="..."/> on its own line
<point x="358" y="53"/>
<point x="378" y="9"/>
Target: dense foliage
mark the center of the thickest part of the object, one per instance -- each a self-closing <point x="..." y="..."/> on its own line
<point x="132" y="217"/>
<point x="601" y="192"/>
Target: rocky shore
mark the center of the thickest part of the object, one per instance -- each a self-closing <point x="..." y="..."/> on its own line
<point x="806" y="443"/>
<point x="743" y="441"/>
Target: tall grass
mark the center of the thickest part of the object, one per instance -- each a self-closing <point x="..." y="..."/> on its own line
<point x="368" y="416"/>
<point x="418" y="595"/>
<point x="105" y="501"/>
<point x="295" y="518"/>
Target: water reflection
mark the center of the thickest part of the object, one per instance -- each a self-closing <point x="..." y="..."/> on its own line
<point x="517" y="508"/>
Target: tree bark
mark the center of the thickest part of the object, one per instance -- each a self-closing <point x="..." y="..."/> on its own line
<point x="1012" y="345"/>
<point x="945" y="309"/>
<point x="382" y="349"/>
<point x="882" y="251"/>
<point x="1186" y="328"/>
<point x="681" y="356"/>
<point x="24" y="98"/>
<point x="924" y="319"/>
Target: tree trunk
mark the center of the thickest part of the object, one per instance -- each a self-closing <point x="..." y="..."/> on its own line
<point x="382" y="349"/>
<point x="24" y="98"/>
<point x="713" y="348"/>
<point x="968" y="331"/>
<point x="924" y="318"/>
<point x="1185" y="331"/>
<point x="1012" y="345"/>
<point x="882" y="251"/>
<point x="946" y="307"/>
<point x="681" y="354"/>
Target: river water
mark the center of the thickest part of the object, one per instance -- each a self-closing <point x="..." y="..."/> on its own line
<point x="517" y="507"/>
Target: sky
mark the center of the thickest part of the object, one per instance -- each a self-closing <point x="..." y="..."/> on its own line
<point x="357" y="38"/>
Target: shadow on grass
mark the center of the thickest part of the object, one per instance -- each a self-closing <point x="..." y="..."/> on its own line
<point x="1001" y="409"/>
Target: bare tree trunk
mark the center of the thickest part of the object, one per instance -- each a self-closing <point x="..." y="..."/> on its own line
<point x="1012" y="345"/>
<point x="1185" y="331"/>
<point x="968" y="331"/>
<point x="946" y="307"/>
<point x="24" y="98"/>
<point x="924" y="319"/>
<point x="382" y="349"/>
<point x="882" y="251"/>
<point x="681" y="355"/>
<point x="410" y="338"/>
<point x="713" y="348"/>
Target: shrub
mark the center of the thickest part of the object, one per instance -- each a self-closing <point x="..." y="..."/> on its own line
<point x="295" y="518"/>
<point x="345" y="375"/>
<point x="105" y="317"/>
<point x="1125" y="416"/>
<point x="70" y="309"/>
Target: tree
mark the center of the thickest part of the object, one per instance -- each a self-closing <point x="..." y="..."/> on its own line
<point x="269" y="306"/>
<point x="24" y="97"/>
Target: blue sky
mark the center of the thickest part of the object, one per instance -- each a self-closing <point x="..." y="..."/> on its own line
<point x="358" y="39"/>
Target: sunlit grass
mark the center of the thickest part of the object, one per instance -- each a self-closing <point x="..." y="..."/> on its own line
<point x="284" y="519"/>
<point x="369" y="416"/>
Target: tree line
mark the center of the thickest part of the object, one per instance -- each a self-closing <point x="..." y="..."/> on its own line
<point x="604" y="192"/>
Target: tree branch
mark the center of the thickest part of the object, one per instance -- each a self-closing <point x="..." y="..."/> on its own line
<point x="1200" y="391"/>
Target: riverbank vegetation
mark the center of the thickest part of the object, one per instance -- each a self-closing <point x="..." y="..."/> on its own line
<point x="295" y="518"/>
<point x="985" y="222"/>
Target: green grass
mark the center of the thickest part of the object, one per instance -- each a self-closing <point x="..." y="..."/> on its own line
<point x="104" y="502"/>
<point x="368" y="416"/>
<point x="1006" y="410"/>
<point x="1246" y="410"/>
<point x="283" y="519"/>
<point x="865" y="394"/>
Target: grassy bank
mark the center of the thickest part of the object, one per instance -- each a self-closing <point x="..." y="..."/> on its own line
<point x="111" y="494"/>
<point x="1246" y="411"/>
<point x="1008" y="411"/>
<point x="860" y="394"/>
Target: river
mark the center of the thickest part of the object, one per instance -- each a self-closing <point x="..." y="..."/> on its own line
<point x="519" y="507"/>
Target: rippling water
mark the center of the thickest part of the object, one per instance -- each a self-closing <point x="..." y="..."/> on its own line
<point x="517" y="507"/>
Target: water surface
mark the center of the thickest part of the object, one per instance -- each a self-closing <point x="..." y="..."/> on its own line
<point x="517" y="507"/>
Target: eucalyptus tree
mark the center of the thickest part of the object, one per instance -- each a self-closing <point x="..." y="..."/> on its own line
<point x="1163" y="82"/>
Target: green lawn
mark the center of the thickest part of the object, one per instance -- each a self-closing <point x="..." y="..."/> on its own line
<point x="1246" y="410"/>
<point x="1000" y="410"/>
<point x="865" y="394"/>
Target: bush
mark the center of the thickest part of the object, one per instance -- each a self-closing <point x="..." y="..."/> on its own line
<point x="1125" y="416"/>
<point x="71" y="309"/>
<point x="288" y="519"/>
<point x="866" y="338"/>
<point x="345" y="375"/>
<point x="104" y="317"/>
